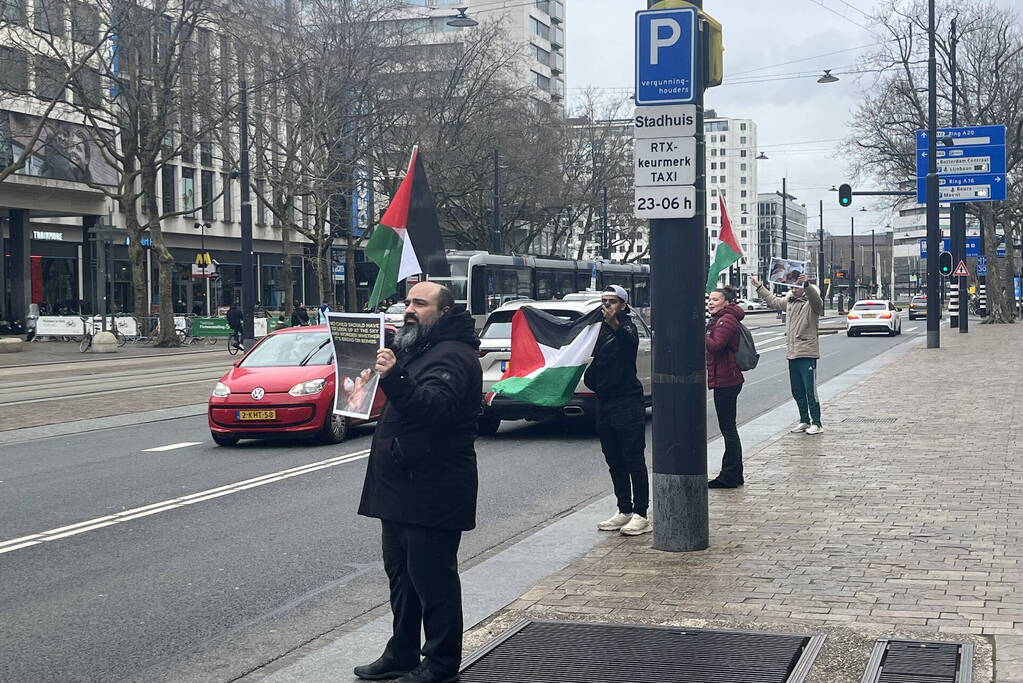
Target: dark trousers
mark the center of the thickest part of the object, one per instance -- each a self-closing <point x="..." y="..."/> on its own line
<point x="803" y="381"/>
<point x="621" y="426"/>
<point x="725" y="400"/>
<point x="422" y="570"/>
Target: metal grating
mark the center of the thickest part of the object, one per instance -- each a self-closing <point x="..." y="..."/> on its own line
<point x="872" y="420"/>
<point x="575" y="652"/>
<point x="919" y="661"/>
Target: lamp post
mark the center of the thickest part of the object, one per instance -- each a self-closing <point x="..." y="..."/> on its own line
<point x="202" y="262"/>
<point x="933" y="305"/>
<point x="248" y="294"/>
<point x="784" y="219"/>
<point x="852" y="261"/>
<point x="495" y="213"/>
<point x="605" y="238"/>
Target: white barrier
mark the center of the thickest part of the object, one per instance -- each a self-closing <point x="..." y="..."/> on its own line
<point x="72" y="325"/>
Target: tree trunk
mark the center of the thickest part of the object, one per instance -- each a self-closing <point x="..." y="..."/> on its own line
<point x="324" y="273"/>
<point x="288" y="277"/>
<point x="351" y="293"/>
<point x="137" y="256"/>
<point x="998" y="293"/>
<point x="168" y="335"/>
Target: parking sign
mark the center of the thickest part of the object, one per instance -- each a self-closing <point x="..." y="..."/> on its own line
<point x="666" y="56"/>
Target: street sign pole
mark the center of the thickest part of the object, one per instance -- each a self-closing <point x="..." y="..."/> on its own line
<point x="957" y="212"/>
<point x="933" y="302"/>
<point x="248" y="285"/>
<point x="678" y="248"/>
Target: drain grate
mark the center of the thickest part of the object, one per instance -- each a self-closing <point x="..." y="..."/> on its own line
<point x="919" y="661"/>
<point x="872" y="420"/>
<point x="575" y="652"/>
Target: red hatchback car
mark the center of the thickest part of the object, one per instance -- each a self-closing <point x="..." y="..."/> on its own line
<point x="284" y="386"/>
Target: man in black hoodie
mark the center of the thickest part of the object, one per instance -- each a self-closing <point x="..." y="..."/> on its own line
<point x="421" y="482"/>
<point x="621" y="419"/>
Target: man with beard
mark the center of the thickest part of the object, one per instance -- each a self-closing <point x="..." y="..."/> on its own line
<point x="421" y="482"/>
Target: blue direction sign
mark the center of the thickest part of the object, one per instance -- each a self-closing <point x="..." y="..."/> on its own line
<point x="978" y="187"/>
<point x="666" y="64"/>
<point x="982" y="266"/>
<point x="972" y="248"/>
<point x="964" y="160"/>
<point x="966" y="135"/>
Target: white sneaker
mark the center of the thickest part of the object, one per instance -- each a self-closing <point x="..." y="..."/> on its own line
<point x="637" y="525"/>
<point x="619" y="520"/>
<point x="814" y="429"/>
<point x="801" y="427"/>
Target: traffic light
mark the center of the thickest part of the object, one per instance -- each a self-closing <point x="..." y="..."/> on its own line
<point x="945" y="264"/>
<point x="845" y="195"/>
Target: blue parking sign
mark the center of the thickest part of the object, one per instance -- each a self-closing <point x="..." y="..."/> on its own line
<point x="666" y="61"/>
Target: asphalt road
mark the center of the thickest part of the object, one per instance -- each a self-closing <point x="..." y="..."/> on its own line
<point x="236" y="556"/>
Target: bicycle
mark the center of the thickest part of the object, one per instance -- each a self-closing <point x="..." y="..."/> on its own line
<point x="86" y="343"/>
<point x="234" y="343"/>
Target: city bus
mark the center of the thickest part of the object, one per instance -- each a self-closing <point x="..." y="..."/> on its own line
<point x="482" y="281"/>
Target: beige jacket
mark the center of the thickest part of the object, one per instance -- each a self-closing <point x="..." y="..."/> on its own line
<point x="801" y="339"/>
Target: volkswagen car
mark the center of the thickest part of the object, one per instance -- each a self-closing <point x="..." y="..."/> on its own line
<point x="283" y="387"/>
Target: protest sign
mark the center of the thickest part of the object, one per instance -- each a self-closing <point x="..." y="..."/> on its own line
<point x="785" y="271"/>
<point x="356" y="338"/>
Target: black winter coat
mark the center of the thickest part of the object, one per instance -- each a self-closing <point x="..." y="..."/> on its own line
<point x="612" y="373"/>
<point x="422" y="464"/>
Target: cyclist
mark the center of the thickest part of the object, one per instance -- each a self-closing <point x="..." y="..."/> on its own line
<point x="234" y="321"/>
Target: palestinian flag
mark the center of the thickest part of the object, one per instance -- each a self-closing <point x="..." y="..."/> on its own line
<point x="727" y="252"/>
<point x="548" y="356"/>
<point x="408" y="239"/>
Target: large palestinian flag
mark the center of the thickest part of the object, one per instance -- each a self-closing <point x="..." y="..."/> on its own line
<point x="728" y="250"/>
<point x="548" y="356"/>
<point x="408" y="239"/>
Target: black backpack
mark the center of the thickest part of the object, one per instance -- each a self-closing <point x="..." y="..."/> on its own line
<point x="746" y="356"/>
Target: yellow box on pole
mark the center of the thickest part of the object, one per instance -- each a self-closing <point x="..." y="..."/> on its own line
<point x="715" y="69"/>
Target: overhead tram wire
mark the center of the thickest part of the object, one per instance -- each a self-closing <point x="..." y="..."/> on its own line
<point x="869" y="30"/>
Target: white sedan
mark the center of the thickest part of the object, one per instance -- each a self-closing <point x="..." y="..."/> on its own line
<point x="873" y="315"/>
<point x="751" y="304"/>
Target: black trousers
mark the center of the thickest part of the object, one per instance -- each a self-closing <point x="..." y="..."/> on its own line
<point x="725" y="400"/>
<point x="422" y="571"/>
<point x="621" y="426"/>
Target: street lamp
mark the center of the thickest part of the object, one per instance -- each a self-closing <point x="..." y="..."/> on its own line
<point x="827" y="77"/>
<point x="761" y="157"/>
<point x="462" y="21"/>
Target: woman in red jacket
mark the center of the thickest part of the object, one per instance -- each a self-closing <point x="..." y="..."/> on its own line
<point x="724" y="377"/>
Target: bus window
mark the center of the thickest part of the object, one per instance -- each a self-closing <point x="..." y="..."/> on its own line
<point x="566" y="283"/>
<point x="546" y="285"/>
<point x="506" y="283"/>
<point x="641" y="290"/>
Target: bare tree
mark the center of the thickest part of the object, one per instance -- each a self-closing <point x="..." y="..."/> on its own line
<point x="989" y="91"/>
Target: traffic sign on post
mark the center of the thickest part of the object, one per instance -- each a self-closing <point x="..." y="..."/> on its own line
<point x="961" y="270"/>
<point x="970" y="162"/>
<point x="666" y="56"/>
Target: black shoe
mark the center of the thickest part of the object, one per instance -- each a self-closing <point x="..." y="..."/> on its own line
<point x="382" y="670"/>
<point x="718" y="484"/>
<point x="422" y="674"/>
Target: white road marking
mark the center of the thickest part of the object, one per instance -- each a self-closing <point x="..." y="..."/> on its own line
<point x="912" y="329"/>
<point x="773" y="348"/>
<point x="146" y="510"/>
<point x="761" y="334"/>
<point x="171" y="447"/>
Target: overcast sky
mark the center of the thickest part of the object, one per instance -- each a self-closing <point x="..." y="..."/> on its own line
<point x="799" y="121"/>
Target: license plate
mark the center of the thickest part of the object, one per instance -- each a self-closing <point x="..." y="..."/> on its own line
<point x="256" y="414"/>
<point x="870" y="315"/>
<point x="504" y="365"/>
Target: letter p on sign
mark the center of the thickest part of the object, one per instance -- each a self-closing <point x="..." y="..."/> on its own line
<point x="657" y="42"/>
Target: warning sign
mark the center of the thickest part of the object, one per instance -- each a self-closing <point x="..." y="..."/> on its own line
<point x="961" y="270"/>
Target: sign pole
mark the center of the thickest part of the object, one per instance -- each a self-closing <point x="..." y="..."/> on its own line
<point x="678" y="252"/>
<point x="933" y="302"/>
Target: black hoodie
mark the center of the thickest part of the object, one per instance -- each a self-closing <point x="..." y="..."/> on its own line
<point x="612" y="373"/>
<point x="422" y="465"/>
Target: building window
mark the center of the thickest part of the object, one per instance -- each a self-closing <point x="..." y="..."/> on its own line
<point x="225" y="181"/>
<point x="714" y="165"/>
<point x="713" y="193"/>
<point x="188" y="191"/>
<point x="542" y="82"/>
<point x="84" y="23"/>
<point x="744" y="223"/>
<point x="742" y="208"/>
<point x="714" y="206"/>
<point x="206" y="185"/>
<point x="742" y="167"/>
<point x="539" y="28"/>
<point x="713" y="138"/>
<point x="49" y="78"/>
<point x="714" y="152"/>
<point x="742" y="140"/>
<point x="723" y="138"/>
<point x="13" y="11"/>
<point x="742" y="126"/>
<point x="742" y="194"/>
<point x="13" y="70"/>
<point x="48" y="17"/>
<point x="742" y="233"/>
<point x="541" y="55"/>
<point x="168" y="188"/>
<point x="723" y="165"/>
<point x="742" y="180"/>
<point x="86" y="88"/>
<point x="742" y="152"/>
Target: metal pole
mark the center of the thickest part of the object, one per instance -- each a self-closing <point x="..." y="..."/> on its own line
<point x="495" y="228"/>
<point x="852" y="261"/>
<point x="933" y="228"/>
<point x="873" y="266"/>
<point x="820" y="248"/>
<point x="678" y="267"/>
<point x="957" y="214"/>
<point x="784" y="219"/>
<point x="248" y="294"/>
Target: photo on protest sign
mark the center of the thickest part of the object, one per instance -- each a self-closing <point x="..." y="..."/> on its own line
<point x="785" y="271"/>
<point x="356" y="338"/>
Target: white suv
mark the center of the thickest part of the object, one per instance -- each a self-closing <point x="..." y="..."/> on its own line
<point x="495" y="352"/>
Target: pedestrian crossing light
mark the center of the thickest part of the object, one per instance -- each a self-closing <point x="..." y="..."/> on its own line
<point x="845" y="195"/>
<point x="945" y="264"/>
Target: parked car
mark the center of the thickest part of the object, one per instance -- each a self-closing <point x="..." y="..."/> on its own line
<point x="873" y="315"/>
<point x="918" y="307"/>
<point x="283" y="387"/>
<point x="395" y="315"/>
<point x="495" y="352"/>
<point x="751" y="304"/>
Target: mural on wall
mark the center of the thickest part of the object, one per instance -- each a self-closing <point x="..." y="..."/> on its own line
<point x="66" y="151"/>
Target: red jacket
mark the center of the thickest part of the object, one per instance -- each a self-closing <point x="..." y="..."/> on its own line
<point x="722" y="343"/>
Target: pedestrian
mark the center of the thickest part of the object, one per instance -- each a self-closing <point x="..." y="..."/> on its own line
<point x="725" y="378"/>
<point x="198" y="307"/>
<point x="804" y="307"/>
<point x="421" y="482"/>
<point x="299" y="316"/>
<point x="321" y="314"/>
<point x="621" y="416"/>
<point x="234" y="321"/>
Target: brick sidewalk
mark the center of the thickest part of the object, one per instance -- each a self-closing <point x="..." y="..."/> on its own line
<point x="903" y="518"/>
